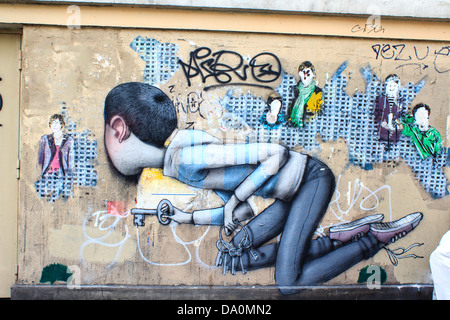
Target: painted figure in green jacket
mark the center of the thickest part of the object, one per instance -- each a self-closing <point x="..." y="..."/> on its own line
<point x="427" y="139"/>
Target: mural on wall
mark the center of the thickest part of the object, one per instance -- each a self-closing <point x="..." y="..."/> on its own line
<point x="64" y="158"/>
<point x="374" y="125"/>
<point x="190" y="176"/>
<point x="236" y="172"/>
<point x="55" y="272"/>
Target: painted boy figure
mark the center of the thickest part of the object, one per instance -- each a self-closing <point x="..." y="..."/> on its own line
<point x="56" y="150"/>
<point x="388" y="111"/>
<point x="426" y="139"/>
<point x="307" y="96"/>
<point x="272" y="117"/>
<point x="139" y="118"/>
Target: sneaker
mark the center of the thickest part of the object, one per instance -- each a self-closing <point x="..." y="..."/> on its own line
<point x="352" y="231"/>
<point x="389" y="232"/>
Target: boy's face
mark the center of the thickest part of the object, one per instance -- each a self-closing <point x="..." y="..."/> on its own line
<point x="56" y="126"/>
<point x="422" y="117"/>
<point x="306" y="76"/>
<point x="275" y="106"/>
<point x="392" y="88"/>
<point x="119" y="153"/>
<point x="128" y="153"/>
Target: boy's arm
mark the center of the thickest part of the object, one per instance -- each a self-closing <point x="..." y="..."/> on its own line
<point x="71" y="156"/>
<point x="215" y="216"/>
<point x="212" y="216"/>
<point x="269" y="158"/>
<point x="433" y="142"/>
<point x="406" y="125"/>
<point x="438" y="141"/>
<point x="41" y="154"/>
<point x="378" y="109"/>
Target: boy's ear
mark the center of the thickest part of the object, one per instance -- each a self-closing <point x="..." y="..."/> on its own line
<point x="121" y="129"/>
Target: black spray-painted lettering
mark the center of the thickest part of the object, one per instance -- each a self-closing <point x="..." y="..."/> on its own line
<point x="368" y="28"/>
<point x="440" y="55"/>
<point x="386" y="51"/>
<point x="225" y="66"/>
<point x="190" y="104"/>
<point x="263" y="69"/>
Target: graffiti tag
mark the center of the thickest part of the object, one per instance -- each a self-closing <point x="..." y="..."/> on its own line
<point x="368" y="28"/>
<point x="190" y="104"/>
<point x="439" y="56"/>
<point x="225" y="66"/>
<point x="412" y="57"/>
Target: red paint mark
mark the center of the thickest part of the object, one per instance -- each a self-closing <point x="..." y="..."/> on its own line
<point x="117" y="208"/>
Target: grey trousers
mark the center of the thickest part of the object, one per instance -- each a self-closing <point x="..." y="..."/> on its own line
<point x="300" y="260"/>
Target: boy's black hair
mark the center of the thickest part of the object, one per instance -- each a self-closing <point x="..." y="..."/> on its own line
<point x="148" y="111"/>
<point x="56" y="116"/>
<point x="306" y="64"/>
<point x="394" y="76"/>
<point x="421" y="105"/>
<point x="273" y="96"/>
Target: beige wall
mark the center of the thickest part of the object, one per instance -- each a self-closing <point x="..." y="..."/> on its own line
<point x="77" y="67"/>
<point x="9" y="128"/>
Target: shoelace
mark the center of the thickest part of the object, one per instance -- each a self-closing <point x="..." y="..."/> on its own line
<point x="396" y="254"/>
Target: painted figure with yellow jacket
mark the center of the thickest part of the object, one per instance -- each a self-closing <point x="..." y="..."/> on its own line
<point x="307" y="96"/>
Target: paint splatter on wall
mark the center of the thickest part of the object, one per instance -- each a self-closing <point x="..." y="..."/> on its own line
<point x="55" y="272"/>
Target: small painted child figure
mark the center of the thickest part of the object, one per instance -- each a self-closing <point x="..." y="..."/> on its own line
<point x="426" y="139"/>
<point x="56" y="150"/>
<point x="273" y="117"/>
<point x="388" y="111"/>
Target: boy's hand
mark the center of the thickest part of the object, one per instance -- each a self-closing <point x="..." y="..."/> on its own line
<point x="228" y="215"/>
<point x="181" y="216"/>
